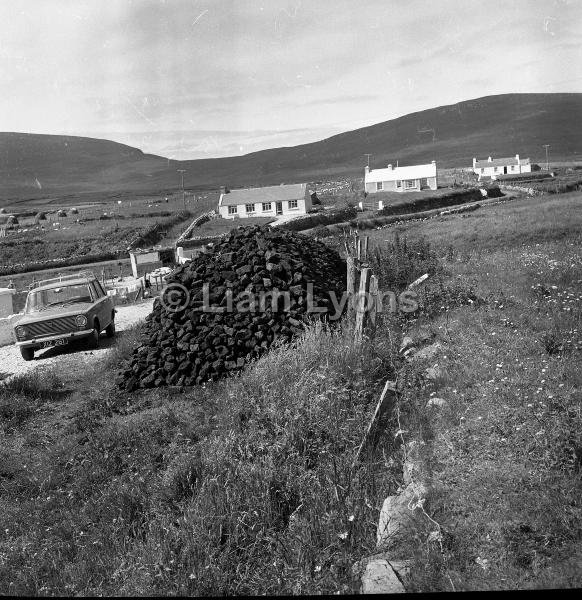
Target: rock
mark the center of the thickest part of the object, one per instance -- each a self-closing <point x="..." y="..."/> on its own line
<point x="427" y="353"/>
<point x="413" y="471"/>
<point x="380" y="578"/>
<point x="433" y="373"/>
<point x="407" y="343"/>
<point x="437" y="402"/>
<point x="397" y="514"/>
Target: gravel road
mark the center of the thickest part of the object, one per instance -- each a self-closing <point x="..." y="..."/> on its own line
<point x="74" y="356"/>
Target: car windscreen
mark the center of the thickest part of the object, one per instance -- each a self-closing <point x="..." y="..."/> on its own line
<point x="68" y="294"/>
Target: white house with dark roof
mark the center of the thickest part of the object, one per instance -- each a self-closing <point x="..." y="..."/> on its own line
<point x="493" y="167"/>
<point x="401" y="179"/>
<point x="269" y="201"/>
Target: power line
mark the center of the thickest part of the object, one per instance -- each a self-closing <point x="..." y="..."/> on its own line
<point x="546" y="146"/>
<point x="182" y="171"/>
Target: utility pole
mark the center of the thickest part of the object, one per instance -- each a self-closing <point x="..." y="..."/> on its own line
<point x="368" y="155"/>
<point x="546" y="146"/>
<point x="182" y="171"/>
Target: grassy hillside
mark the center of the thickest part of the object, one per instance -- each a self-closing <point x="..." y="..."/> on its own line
<point x="494" y="125"/>
<point x="504" y="454"/>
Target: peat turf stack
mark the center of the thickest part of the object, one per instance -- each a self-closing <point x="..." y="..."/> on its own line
<point x="212" y="327"/>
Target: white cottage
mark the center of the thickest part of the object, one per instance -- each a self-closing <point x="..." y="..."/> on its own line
<point x="493" y="167"/>
<point x="269" y="201"/>
<point x="401" y="179"/>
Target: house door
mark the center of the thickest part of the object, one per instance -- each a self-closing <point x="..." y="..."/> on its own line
<point x="505" y="170"/>
<point x="279" y="208"/>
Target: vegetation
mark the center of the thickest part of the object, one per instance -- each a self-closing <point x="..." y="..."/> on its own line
<point x="323" y="218"/>
<point x="504" y="454"/>
<point x="242" y="487"/>
<point x="428" y="202"/>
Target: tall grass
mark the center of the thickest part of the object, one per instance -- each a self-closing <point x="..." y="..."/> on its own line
<point x="244" y="486"/>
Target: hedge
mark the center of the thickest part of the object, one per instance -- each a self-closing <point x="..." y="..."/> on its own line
<point x="324" y="218"/>
<point x="57" y="263"/>
<point x="524" y="177"/>
<point x="430" y="202"/>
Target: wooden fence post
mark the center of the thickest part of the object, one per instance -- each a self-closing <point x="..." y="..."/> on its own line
<point x="365" y="257"/>
<point x="351" y="283"/>
<point x="361" y="304"/>
<point x="374" y="296"/>
<point x="359" y="247"/>
<point x="385" y="405"/>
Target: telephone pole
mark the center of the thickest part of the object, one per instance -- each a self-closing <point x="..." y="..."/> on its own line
<point x="182" y="171"/>
<point x="546" y="146"/>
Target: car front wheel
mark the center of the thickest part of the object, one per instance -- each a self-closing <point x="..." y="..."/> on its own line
<point x="27" y="353"/>
<point x="94" y="339"/>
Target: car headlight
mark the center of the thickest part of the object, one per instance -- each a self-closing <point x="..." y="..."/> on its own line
<point x="20" y="332"/>
<point x="81" y="320"/>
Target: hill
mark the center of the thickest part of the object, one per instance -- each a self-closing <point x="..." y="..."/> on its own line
<point x="453" y="134"/>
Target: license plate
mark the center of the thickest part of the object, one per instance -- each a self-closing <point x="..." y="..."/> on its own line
<point x="52" y="343"/>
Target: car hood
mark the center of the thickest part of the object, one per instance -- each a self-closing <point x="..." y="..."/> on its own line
<point x="79" y="308"/>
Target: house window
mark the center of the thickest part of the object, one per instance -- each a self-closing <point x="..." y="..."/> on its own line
<point x="496" y="169"/>
<point x="250" y="208"/>
<point x="423" y="182"/>
<point x="266" y="206"/>
<point x="379" y="186"/>
<point x="292" y="203"/>
<point x="398" y="184"/>
<point x="482" y="171"/>
<point x="232" y="210"/>
<point x="409" y="183"/>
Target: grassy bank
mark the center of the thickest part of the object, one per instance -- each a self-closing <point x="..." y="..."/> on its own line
<point x="504" y="454"/>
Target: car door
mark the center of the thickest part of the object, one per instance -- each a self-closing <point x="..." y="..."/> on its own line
<point x="101" y="305"/>
<point x="107" y="303"/>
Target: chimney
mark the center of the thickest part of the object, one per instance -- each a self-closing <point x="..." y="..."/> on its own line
<point x="224" y="189"/>
<point x="390" y="167"/>
<point x="366" y="172"/>
<point x="517" y="158"/>
<point x="434" y="162"/>
<point x="474" y="162"/>
<point x="489" y="159"/>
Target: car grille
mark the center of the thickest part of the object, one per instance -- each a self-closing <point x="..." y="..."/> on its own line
<point x="52" y="327"/>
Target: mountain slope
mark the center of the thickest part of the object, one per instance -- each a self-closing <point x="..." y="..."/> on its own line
<point x="33" y="165"/>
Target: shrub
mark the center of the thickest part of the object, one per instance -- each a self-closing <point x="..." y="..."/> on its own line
<point x="398" y="263"/>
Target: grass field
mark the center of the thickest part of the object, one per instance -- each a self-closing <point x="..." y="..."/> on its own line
<point x="246" y="486"/>
<point x="98" y="229"/>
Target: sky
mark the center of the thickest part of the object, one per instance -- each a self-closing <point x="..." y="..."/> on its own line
<point x="206" y="78"/>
